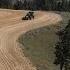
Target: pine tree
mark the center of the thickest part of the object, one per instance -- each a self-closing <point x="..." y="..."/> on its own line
<point x="18" y="5"/>
<point x="25" y="5"/>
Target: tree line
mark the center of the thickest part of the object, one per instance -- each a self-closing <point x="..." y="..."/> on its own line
<point x="59" y="5"/>
<point x="62" y="48"/>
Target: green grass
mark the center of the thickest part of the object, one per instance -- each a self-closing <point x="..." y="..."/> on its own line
<point x="39" y="44"/>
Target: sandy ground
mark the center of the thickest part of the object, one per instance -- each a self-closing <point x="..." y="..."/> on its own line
<point x="11" y="26"/>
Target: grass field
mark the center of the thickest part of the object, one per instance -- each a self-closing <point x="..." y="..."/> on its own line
<point x="39" y="44"/>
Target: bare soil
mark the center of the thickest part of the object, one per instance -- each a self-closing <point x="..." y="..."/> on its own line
<point x="11" y="26"/>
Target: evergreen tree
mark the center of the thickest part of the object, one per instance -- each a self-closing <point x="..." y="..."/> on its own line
<point x="4" y="3"/>
<point x="25" y="4"/>
<point x="18" y="5"/>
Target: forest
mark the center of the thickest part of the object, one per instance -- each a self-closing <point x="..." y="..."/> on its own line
<point x="56" y="5"/>
<point x="63" y="48"/>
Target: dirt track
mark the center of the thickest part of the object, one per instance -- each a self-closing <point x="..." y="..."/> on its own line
<point x="11" y="56"/>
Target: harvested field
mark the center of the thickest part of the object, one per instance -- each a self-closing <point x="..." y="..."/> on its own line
<point x="11" y="27"/>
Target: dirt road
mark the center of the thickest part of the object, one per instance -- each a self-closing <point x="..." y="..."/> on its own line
<point x="11" y="26"/>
